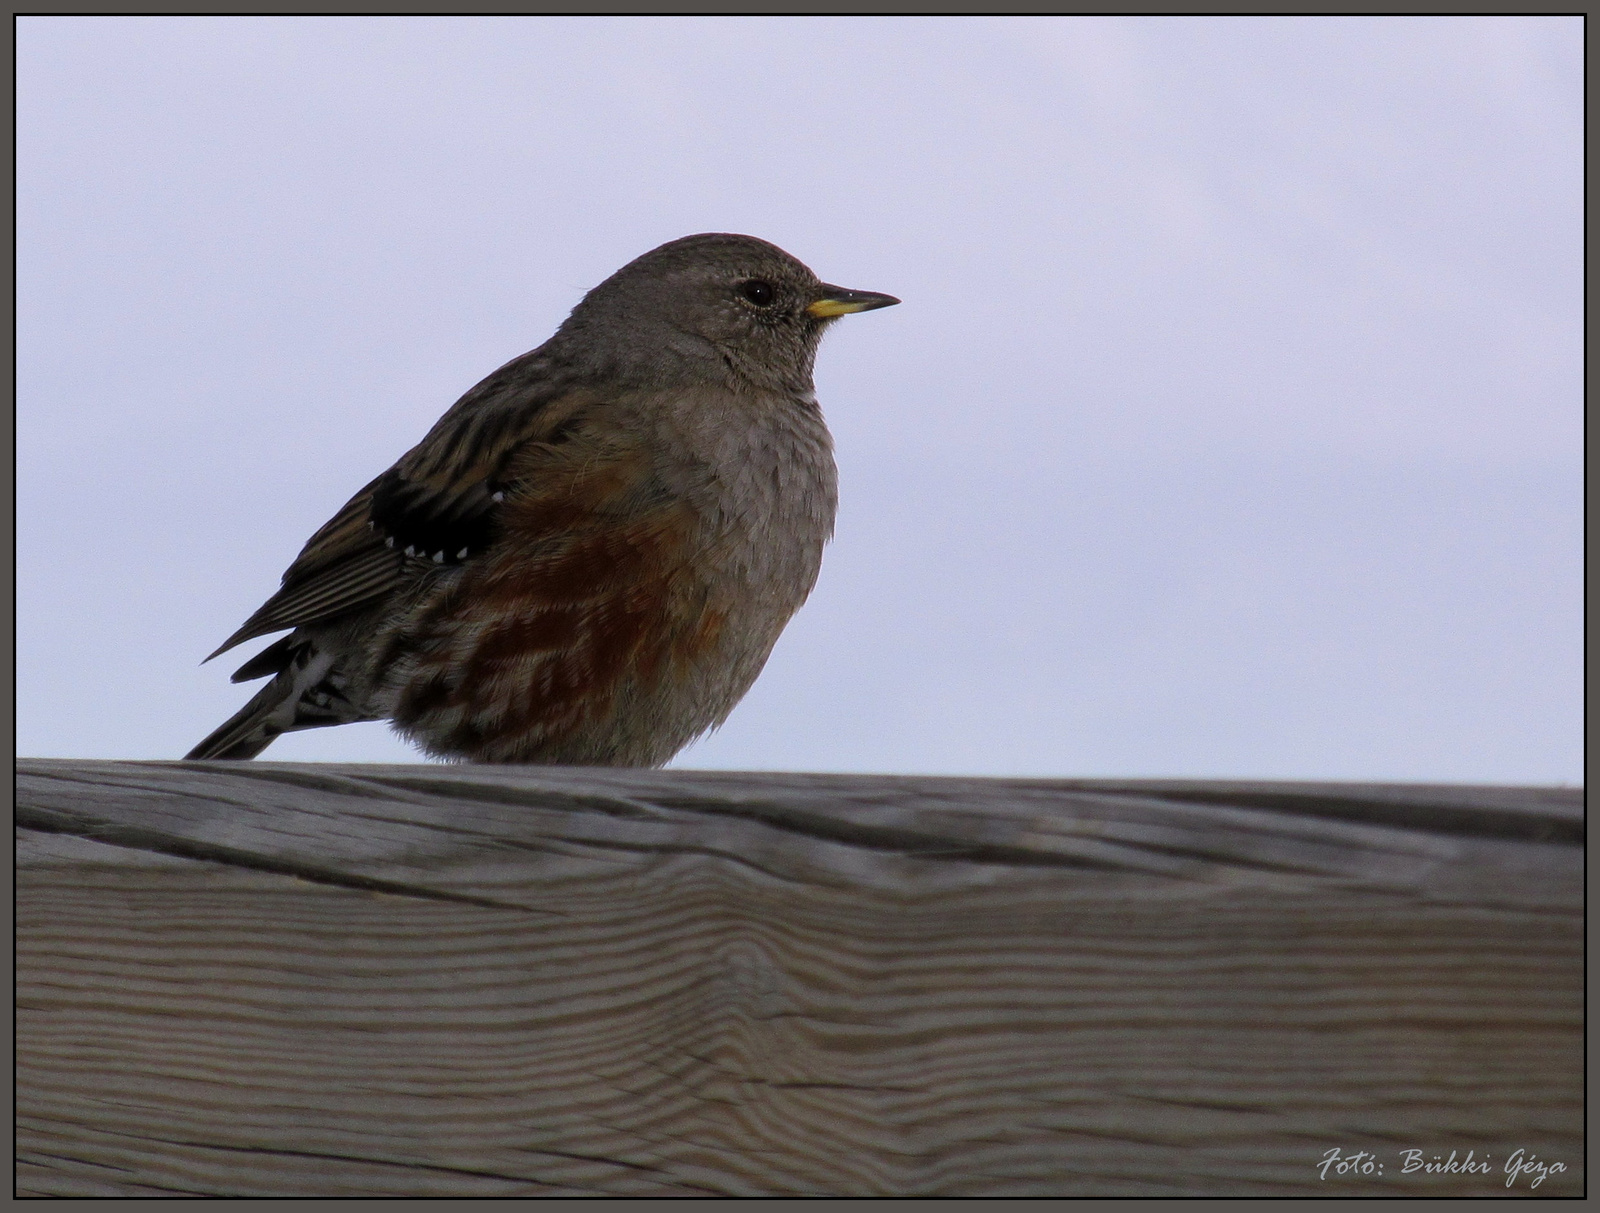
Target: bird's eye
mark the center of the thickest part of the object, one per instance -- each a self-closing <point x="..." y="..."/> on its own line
<point x="757" y="292"/>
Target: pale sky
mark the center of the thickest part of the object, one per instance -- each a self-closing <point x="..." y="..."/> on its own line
<point x="1231" y="425"/>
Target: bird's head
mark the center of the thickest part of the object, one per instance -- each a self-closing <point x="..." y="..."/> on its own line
<point x="715" y="306"/>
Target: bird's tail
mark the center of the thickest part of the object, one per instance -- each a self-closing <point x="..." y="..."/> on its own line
<point x="304" y="694"/>
<point x="249" y="730"/>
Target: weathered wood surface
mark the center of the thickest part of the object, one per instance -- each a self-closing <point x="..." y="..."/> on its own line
<point x="276" y="979"/>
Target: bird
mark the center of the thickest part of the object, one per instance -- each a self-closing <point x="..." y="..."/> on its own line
<point x="590" y="556"/>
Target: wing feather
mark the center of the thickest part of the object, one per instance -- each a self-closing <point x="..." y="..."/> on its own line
<point x="440" y="500"/>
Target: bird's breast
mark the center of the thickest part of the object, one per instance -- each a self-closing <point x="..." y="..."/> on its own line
<point x="642" y="574"/>
<point x="759" y="474"/>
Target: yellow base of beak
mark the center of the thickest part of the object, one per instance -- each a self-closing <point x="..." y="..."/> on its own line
<point x="824" y="309"/>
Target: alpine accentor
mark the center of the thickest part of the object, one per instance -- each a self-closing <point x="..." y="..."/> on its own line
<point x="590" y="556"/>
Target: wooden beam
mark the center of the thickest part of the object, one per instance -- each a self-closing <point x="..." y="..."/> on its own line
<point x="273" y="979"/>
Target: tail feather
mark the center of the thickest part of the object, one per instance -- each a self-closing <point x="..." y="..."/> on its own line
<point x="305" y="694"/>
<point x="274" y="659"/>
<point x="251" y="729"/>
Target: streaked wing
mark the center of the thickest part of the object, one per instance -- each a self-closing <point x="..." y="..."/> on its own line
<point x="439" y="501"/>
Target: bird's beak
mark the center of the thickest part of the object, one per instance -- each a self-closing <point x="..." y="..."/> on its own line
<point x="836" y="301"/>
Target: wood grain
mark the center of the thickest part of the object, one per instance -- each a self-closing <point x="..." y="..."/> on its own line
<point x="286" y="980"/>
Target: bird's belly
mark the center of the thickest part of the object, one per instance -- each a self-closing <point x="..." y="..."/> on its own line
<point x="615" y="644"/>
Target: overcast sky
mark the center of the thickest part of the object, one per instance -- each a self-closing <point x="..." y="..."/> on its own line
<point x="1231" y="425"/>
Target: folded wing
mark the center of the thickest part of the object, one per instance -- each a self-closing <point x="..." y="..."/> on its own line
<point x="438" y="503"/>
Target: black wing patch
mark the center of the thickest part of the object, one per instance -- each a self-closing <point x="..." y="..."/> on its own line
<point x="447" y="528"/>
